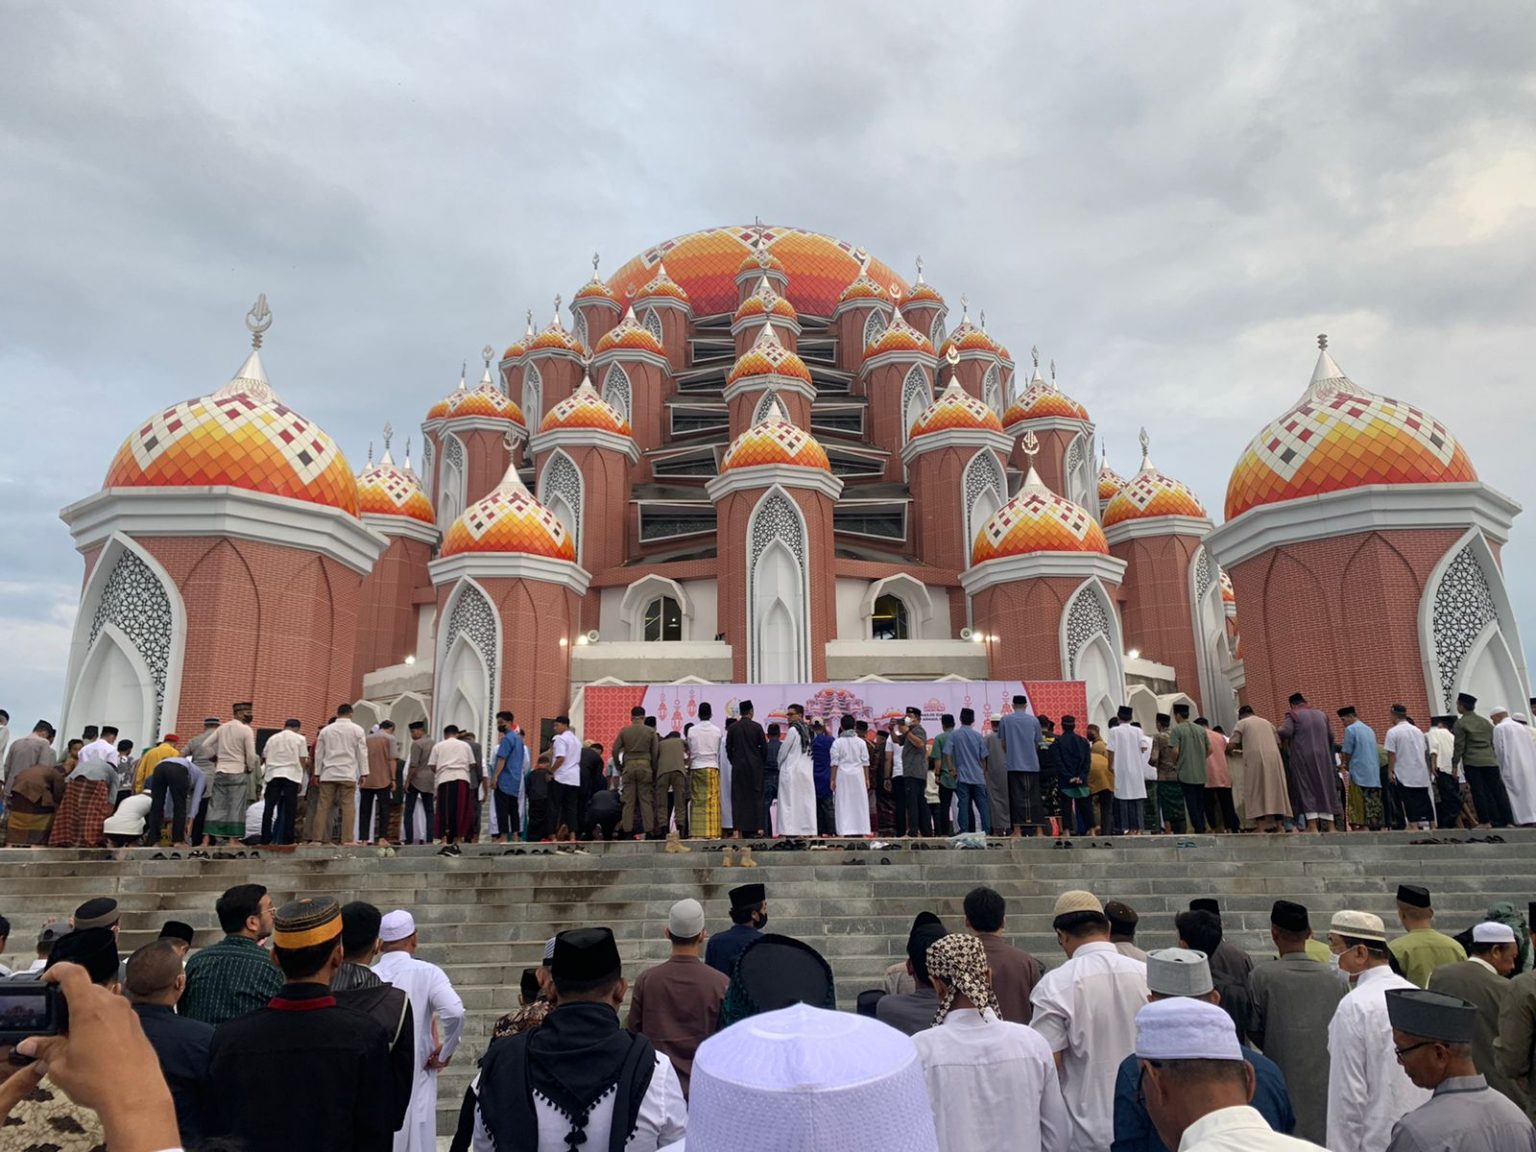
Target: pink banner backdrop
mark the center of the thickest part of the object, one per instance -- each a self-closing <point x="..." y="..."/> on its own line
<point x="607" y="706"/>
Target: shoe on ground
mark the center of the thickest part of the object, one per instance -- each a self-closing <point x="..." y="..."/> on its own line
<point x="728" y="857"/>
<point x="744" y="858"/>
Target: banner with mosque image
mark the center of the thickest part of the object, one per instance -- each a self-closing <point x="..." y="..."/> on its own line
<point x="606" y="707"/>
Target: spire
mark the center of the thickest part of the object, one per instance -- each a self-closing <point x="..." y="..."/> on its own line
<point x="511" y="483"/>
<point x="485" y="354"/>
<point x="529" y="333"/>
<point x="1326" y="375"/>
<point x="965" y="309"/>
<point x="555" y="323"/>
<point x="386" y="460"/>
<point x="773" y="413"/>
<point x="370" y="456"/>
<point x="408" y="456"/>
<point x="767" y="337"/>
<point x="463" y="369"/>
<point x="251" y="378"/>
<point x="953" y="357"/>
<point x="919" y="272"/>
<point x="1034" y="354"/>
<point x="1146" y="455"/>
<point x="983" y="319"/>
<point x="1031" y="445"/>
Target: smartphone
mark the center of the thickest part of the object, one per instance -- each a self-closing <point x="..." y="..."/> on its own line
<point x="31" y="1008"/>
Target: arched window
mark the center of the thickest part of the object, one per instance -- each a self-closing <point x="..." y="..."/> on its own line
<point x="533" y="395"/>
<point x="663" y="619"/>
<point x="617" y="392"/>
<point x="652" y="323"/>
<point x="579" y="328"/>
<point x="889" y="619"/>
<point x="760" y="413"/>
<point x="874" y="327"/>
<point x="992" y="390"/>
<point x="916" y="395"/>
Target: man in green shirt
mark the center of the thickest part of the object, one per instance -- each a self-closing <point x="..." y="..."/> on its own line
<point x="1167" y="813"/>
<point x="236" y="975"/>
<point x="1190" y="748"/>
<point x="1474" y="752"/>
<point x="943" y="772"/>
<point x="1422" y="949"/>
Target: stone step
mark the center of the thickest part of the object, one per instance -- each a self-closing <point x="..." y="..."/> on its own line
<point x="484" y="916"/>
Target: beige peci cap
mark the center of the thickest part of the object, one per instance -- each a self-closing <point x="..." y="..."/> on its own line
<point x="1077" y="901"/>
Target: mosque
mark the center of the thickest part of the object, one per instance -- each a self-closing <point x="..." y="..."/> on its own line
<point x="759" y="455"/>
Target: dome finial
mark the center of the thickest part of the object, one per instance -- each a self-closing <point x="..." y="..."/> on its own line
<point x="1322" y="342"/>
<point x="1053" y="373"/>
<point x="919" y="270"/>
<point x="953" y="357"/>
<point x="595" y="259"/>
<point x="1146" y="453"/>
<point x="773" y="414"/>
<point x="408" y="455"/>
<point x="509" y="441"/>
<point x="1031" y="445"/>
<point x="529" y="333"/>
<point x="983" y="317"/>
<point x="463" y="368"/>
<point x="1034" y="354"/>
<point x="965" y="309"/>
<point x="370" y="454"/>
<point x="486" y="354"/>
<point x="258" y="320"/>
<point x="389" y="432"/>
<point x="895" y="291"/>
<point x="555" y="323"/>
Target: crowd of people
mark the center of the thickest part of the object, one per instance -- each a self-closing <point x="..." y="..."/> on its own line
<point x="316" y="1026"/>
<point x="1017" y="774"/>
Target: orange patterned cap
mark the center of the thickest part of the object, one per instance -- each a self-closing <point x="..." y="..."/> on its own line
<point x="955" y="409"/>
<point x="509" y="519"/>
<point x="774" y="440"/>
<point x="769" y="357"/>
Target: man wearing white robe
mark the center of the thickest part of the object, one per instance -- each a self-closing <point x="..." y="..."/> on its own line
<point x="1516" y="751"/>
<point x="850" y="781"/>
<point x="439" y="1015"/>
<point x="797" y="782"/>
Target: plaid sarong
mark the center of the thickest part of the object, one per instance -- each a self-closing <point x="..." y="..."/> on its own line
<point x="27" y="824"/>
<point x="226" y="808"/>
<point x="85" y="807"/>
<point x="704" y="790"/>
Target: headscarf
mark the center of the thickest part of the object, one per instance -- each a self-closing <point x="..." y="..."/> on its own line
<point x="961" y="962"/>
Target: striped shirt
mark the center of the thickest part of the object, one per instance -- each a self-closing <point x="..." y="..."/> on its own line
<point x="229" y="979"/>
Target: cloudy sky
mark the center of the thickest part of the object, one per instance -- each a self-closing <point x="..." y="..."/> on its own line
<point x="1171" y="199"/>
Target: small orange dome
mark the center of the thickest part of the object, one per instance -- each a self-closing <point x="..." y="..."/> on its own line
<point x="863" y="287"/>
<point x="967" y="337"/>
<point x="1110" y="483"/>
<point x="662" y="285"/>
<point x="483" y="400"/>
<point x="595" y="289"/>
<point x="509" y="520"/>
<point x="1042" y="399"/>
<point x="922" y="292"/>
<point x="955" y="409"/>
<point x="766" y="302"/>
<point x="774" y="440"/>
<point x="1340" y="436"/>
<point x="899" y="336"/>
<point x="385" y="489"/>
<point x="1037" y="520"/>
<point x="630" y="335"/>
<point x="584" y="408"/>
<point x="1149" y="494"/>
<point x="555" y="336"/>
<point x="768" y="357"/>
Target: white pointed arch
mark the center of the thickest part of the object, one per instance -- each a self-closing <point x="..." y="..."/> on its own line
<point x="1217" y="699"/>
<point x="916" y="395"/>
<point x="910" y="591"/>
<point x="936" y="330"/>
<point x="992" y="389"/>
<point x="1092" y="647"/>
<point x="562" y="489"/>
<point x="874" y="326"/>
<point x="645" y="590"/>
<point x="618" y="392"/>
<point x="1081" y="488"/>
<point x="426" y="478"/>
<point x="651" y="322"/>
<point x="767" y="400"/>
<point x="533" y="397"/>
<point x="407" y="708"/>
<point x="778" y="592"/>
<point x="1467" y="629"/>
<point x="129" y="603"/>
<point x="983" y="490"/>
<point x="466" y="680"/>
<point x="579" y="326"/>
<point x="450" y="492"/>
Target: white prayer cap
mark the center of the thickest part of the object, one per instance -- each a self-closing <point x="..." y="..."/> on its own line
<point x="1358" y="925"/>
<point x="1498" y="710"/>
<point x="1492" y="932"/>
<point x="1519" y="718"/>
<point x="1179" y="972"/>
<point x="686" y="919"/>
<point x="396" y="925"/>
<point x="1185" y="1029"/>
<point x="803" y="1079"/>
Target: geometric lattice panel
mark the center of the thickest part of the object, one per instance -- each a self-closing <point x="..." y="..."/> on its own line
<point x="135" y="602"/>
<point x="1464" y="606"/>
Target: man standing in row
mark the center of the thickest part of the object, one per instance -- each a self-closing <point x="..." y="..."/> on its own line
<point x="507" y="777"/>
<point x="797" y="773"/>
<point x="1421" y="949"/>
<point x="1408" y="757"/>
<point x="703" y="741"/>
<point x="747" y="747"/>
<point x="1021" y="748"/>
<point x="1124" y="747"/>
<point x="565" y="780"/>
<point x="1191" y="746"/>
<point x="676" y="1004"/>
<point x="1309" y="733"/>
<point x="420" y="786"/>
<point x="635" y="750"/>
<point x="1292" y="1001"/>
<point x="1516" y="753"/>
<point x="341" y="760"/>
<point x="376" y="785"/>
<point x="1474" y="754"/>
<point x="286" y="762"/>
<point x="235" y="761"/>
<point x="911" y="780"/>
<point x="1358" y="756"/>
<point x="1266" y="800"/>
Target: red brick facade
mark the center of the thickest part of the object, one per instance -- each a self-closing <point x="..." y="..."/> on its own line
<point x="1156" y="610"/>
<point x="387" y="605"/>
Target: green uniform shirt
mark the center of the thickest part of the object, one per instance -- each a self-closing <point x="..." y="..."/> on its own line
<point x="1474" y="741"/>
<point x="1422" y="950"/>
<point x="945" y="772"/>
<point x="1190" y="746"/>
<point x="1318" y="950"/>
<point x="229" y="979"/>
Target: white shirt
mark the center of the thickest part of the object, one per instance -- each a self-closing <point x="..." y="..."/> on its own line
<point x="1238" y="1130"/>
<point x="431" y="994"/>
<point x="1368" y="1091"/>
<point x="1125" y="743"/>
<point x="341" y="752"/>
<point x="850" y="752"/>
<point x="452" y="760"/>
<point x="284" y="756"/>
<point x="1086" y="1010"/>
<point x="253" y="816"/>
<point x="662" y="1120"/>
<point x="1517" y="764"/>
<point x="98" y="750"/>
<point x="704" y="745"/>
<point x="566" y="745"/>
<point x="992" y="1085"/>
<point x="1442" y="742"/>
<point x="1410" y="755"/>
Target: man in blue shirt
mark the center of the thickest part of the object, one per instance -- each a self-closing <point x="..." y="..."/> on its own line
<point x="1020" y="732"/>
<point x="968" y="752"/>
<point x="821" y="773"/>
<point x="1358" y="753"/>
<point x="1175" y="972"/>
<point x="507" y="782"/>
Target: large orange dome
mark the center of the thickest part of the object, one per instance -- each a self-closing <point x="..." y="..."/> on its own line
<point x="241" y="436"/>
<point x="1340" y="436"/>
<point x="509" y="520"/>
<point x="706" y="264"/>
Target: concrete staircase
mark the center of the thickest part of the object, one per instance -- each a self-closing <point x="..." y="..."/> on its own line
<point x="484" y="917"/>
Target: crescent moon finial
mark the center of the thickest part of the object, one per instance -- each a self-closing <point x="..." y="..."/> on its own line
<point x="258" y="320"/>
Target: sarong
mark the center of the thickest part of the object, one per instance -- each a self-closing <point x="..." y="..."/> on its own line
<point x="704" y="787"/>
<point x="1366" y="809"/>
<point x="85" y="807"/>
<point x="28" y="824"/>
<point x="226" y="808"/>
